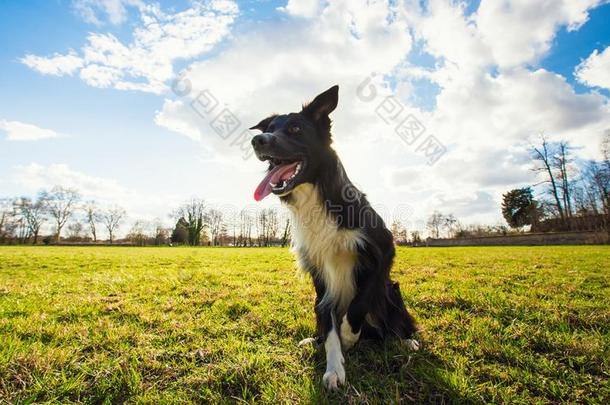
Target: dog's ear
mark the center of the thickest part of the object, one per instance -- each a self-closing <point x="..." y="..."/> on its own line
<point x="323" y="104"/>
<point x="262" y="126"/>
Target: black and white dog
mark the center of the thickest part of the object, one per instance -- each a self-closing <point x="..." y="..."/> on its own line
<point x="337" y="237"/>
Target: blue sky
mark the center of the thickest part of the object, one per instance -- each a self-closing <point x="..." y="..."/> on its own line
<point x="109" y="133"/>
<point x="572" y="47"/>
<point x="482" y="78"/>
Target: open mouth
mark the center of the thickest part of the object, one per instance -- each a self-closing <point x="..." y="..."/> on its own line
<point x="281" y="177"/>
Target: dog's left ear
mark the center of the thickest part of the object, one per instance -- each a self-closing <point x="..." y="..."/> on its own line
<point x="262" y="126"/>
<point x="323" y="104"/>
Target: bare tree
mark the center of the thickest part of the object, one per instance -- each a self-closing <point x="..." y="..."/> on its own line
<point x="194" y="215"/>
<point x="162" y="233"/>
<point x="33" y="214"/>
<point x="245" y="232"/>
<point x="112" y="219"/>
<point x="75" y="231"/>
<point x="93" y="217"/>
<point x="272" y="226"/>
<point x="435" y="223"/>
<point x="584" y="196"/>
<point x="215" y="223"/>
<point x="8" y="222"/>
<point x="415" y="238"/>
<point x="223" y="236"/>
<point x="261" y="227"/>
<point x="137" y="234"/>
<point x="234" y="224"/>
<point x="544" y="155"/>
<point x="562" y="162"/>
<point x="399" y="232"/>
<point x="267" y="226"/>
<point x="287" y="233"/>
<point x="450" y="223"/>
<point x="599" y="179"/>
<point x="604" y="178"/>
<point x="60" y="203"/>
<point x="6" y="212"/>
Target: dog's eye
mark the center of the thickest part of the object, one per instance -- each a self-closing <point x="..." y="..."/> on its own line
<point x="294" y="129"/>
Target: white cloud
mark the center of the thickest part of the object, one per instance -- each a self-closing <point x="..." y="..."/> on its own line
<point x="510" y="108"/>
<point x="492" y="101"/>
<point x="521" y="31"/>
<point x="177" y="118"/>
<point x="20" y="131"/>
<point x="100" y="76"/>
<point x="114" y="10"/>
<point x="491" y="104"/>
<point x="500" y="33"/>
<point x="450" y="36"/>
<point x="352" y="40"/>
<point x="595" y="70"/>
<point x="301" y="8"/>
<point x="56" y="65"/>
<point x="35" y="177"/>
<point x="145" y="64"/>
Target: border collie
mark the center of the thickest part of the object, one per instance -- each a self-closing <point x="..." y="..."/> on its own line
<point x="337" y="236"/>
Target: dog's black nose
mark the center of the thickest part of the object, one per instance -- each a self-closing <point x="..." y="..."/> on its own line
<point x="261" y="140"/>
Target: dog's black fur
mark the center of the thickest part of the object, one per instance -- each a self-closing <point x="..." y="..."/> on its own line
<point x="306" y="137"/>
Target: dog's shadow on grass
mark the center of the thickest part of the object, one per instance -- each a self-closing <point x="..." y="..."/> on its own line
<point x="387" y="372"/>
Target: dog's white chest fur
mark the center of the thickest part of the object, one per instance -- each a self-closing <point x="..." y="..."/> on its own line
<point x="318" y="239"/>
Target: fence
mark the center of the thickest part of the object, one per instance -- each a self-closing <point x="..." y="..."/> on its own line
<point x="529" y="239"/>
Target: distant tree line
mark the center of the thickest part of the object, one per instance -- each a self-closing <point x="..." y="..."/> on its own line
<point x="198" y="225"/>
<point x="575" y="195"/>
<point x="60" y="216"/>
<point x="440" y="225"/>
<point x="23" y="219"/>
<point x="572" y="196"/>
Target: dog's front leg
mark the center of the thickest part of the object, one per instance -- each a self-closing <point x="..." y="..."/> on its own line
<point x="328" y="332"/>
<point x="335" y="371"/>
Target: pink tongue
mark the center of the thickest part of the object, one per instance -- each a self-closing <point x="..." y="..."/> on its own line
<point x="282" y="172"/>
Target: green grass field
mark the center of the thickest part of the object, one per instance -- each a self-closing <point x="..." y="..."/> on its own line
<point x="208" y="325"/>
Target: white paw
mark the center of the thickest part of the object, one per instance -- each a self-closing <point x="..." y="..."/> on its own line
<point x="333" y="378"/>
<point x="307" y="341"/>
<point x="412" y="344"/>
<point x="348" y="338"/>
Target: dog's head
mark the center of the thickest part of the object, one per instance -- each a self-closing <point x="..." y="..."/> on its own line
<point x="295" y="145"/>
